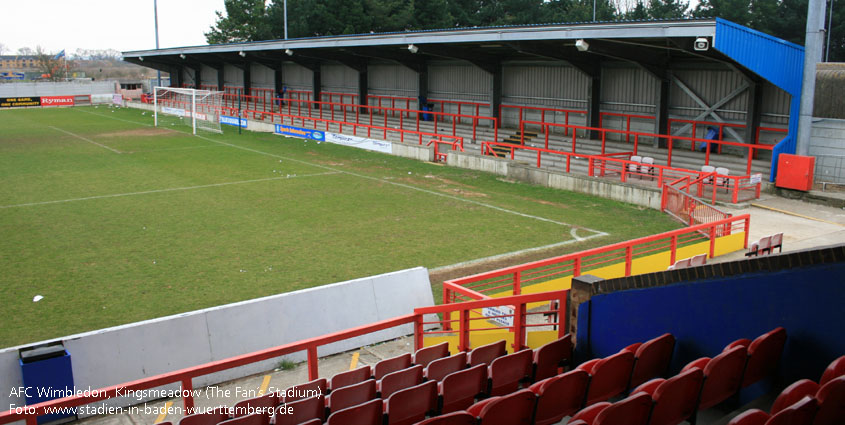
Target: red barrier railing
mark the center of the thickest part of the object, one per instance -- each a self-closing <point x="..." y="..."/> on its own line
<point x="670" y="140"/>
<point x="339" y="96"/>
<point x="510" y="313"/>
<point x="184" y="377"/>
<point x="440" y="156"/>
<point x="305" y="108"/>
<point x="376" y="100"/>
<point x="513" y="279"/>
<point x="627" y="117"/>
<point x="688" y="209"/>
<point x="458" y="140"/>
<point x="605" y="164"/>
<point x="461" y="105"/>
<point x="542" y="111"/>
<point x="722" y="126"/>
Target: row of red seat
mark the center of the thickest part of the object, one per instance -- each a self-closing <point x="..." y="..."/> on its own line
<point x="805" y="402"/>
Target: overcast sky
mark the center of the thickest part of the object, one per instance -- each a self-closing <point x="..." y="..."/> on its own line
<point x="104" y="24"/>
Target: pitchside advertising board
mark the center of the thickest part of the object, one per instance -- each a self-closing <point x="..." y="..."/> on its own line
<point x="233" y="121"/>
<point x="25" y="102"/>
<point x="340" y="139"/>
<point x="303" y="133"/>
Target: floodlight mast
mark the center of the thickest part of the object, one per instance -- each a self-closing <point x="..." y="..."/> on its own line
<point x="155" y="12"/>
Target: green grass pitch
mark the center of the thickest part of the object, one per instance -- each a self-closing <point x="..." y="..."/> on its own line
<point x="114" y="221"/>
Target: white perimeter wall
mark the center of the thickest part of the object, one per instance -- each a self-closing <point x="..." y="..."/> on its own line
<point x="57" y="89"/>
<point x="116" y="355"/>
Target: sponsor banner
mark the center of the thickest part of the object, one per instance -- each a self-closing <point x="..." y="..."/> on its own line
<point x="19" y="102"/>
<point x="303" y="133"/>
<point x="200" y="115"/>
<point x="173" y="111"/>
<point x="756" y="178"/>
<point x="117" y="99"/>
<point x="360" y="142"/>
<point x="233" y="121"/>
<point x="56" y="100"/>
<point x="12" y="75"/>
<point x="499" y="311"/>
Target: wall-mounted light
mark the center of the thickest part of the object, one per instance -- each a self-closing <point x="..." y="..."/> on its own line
<point x="582" y="45"/>
<point x="413" y="49"/>
<point x="140" y="58"/>
<point x="242" y="54"/>
<point x="182" y="56"/>
<point x="289" y="52"/>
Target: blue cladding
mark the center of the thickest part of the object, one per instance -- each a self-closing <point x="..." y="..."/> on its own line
<point x="705" y="316"/>
<point x="778" y="61"/>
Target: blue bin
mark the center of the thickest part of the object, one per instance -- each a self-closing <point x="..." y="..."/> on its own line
<point x="45" y="368"/>
<point x="712" y="134"/>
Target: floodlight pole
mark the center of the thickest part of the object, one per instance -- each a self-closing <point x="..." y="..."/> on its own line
<point x="286" y="20"/>
<point x="829" y="30"/>
<point x="594" y="10"/>
<point x="155" y="12"/>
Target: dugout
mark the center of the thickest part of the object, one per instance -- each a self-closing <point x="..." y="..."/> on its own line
<point x="653" y="76"/>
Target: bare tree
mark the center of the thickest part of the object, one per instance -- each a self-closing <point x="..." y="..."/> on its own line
<point x="56" y="68"/>
<point x="25" y="51"/>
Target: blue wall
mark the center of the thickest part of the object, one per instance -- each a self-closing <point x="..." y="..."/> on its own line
<point x="705" y="316"/>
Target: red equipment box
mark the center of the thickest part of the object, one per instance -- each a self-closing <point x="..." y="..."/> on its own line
<point x="795" y="172"/>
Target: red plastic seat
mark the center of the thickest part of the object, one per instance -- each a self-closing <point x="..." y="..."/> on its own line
<point x="391" y="365"/>
<point x="485" y="354"/>
<point x="369" y="413"/>
<point x="352" y="377"/>
<point x="306" y="409"/>
<point x="508" y="371"/>
<point x="254" y="419"/>
<point x="550" y="357"/>
<point x="559" y="396"/>
<point x="588" y="414"/>
<point x="301" y="391"/>
<point x="313" y="422"/>
<point x="833" y="371"/>
<point x="608" y="376"/>
<point x="438" y="369"/>
<point x="651" y="358"/>
<point x="411" y="405"/>
<point x="513" y="409"/>
<point x="763" y="355"/>
<point x="260" y="404"/>
<point x="831" y="400"/>
<point x="426" y="355"/>
<point x="800" y="413"/>
<point x="458" y="390"/>
<point x="400" y="380"/>
<point x="722" y="376"/>
<point x="454" y="418"/>
<point x="674" y="398"/>
<point x="209" y="418"/>
<point x="794" y="393"/>
<point x="633" y="410"/>
<point x="352" y="395"/>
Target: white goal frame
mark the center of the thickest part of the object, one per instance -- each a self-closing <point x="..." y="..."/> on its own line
<point x="195" y="95"/>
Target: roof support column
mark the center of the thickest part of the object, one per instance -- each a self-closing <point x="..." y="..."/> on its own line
<point x="221" y="77"/>
<point x="176" y="76"/>
<point x="594" y="104"/>
<point x="316" y="85"/>
<point x="661" y="112"/>
<point x="278" y="80"/>
<point x="247" y="73"/>
<point x="422" y="86"/>
<point x="752" y="114"/>
<point x="363" y="89"/>
<point x="496" y="92"/>
<point x="197" y="77"/>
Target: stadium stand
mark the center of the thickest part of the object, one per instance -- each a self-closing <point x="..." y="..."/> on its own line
<point x="394" y="364"/>
<point x="549" y="358"/>
<point x="399" y="380"/>
<point x="352" y="377"/>
<point x="507" y="372"/>
<point x="608" y="376"/>
<point x="458" y="390"/>
<point x="486" y="353"/>
<point x="513" y="409"/>
<point x="351" y="395"/>
<point x="440" y="368"/>
<point x="651" y="358"/>
<point x="559" y="396"/>
<point x="426" y="355"/>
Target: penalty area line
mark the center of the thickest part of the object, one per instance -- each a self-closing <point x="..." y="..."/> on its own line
<point x="84" y="139"/>
<point x="172" y="189"/>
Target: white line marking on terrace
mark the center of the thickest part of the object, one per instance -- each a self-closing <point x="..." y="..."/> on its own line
<point x="443" y="195"/>
<point x="172" y="189"/>
<point x="85" y="139"/>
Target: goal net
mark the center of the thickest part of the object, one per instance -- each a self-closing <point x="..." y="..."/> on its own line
<point x="197" y="109"/>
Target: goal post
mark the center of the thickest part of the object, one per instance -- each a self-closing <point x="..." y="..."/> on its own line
<point x="199" y="109"/>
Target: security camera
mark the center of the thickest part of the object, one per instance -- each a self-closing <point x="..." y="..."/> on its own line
<point x="701" y="44"/>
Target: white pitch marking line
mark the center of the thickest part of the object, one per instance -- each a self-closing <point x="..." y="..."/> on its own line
<point x="173" y="189"/>
<point x="515" y="253"/>
<point x="172" y="149"/>
<point x="596" y="232"/>
<point x="574" y="234"/>
<point x="85" y="139"/>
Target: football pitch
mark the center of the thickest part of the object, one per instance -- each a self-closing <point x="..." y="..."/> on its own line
<point x="112" y="220"/>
